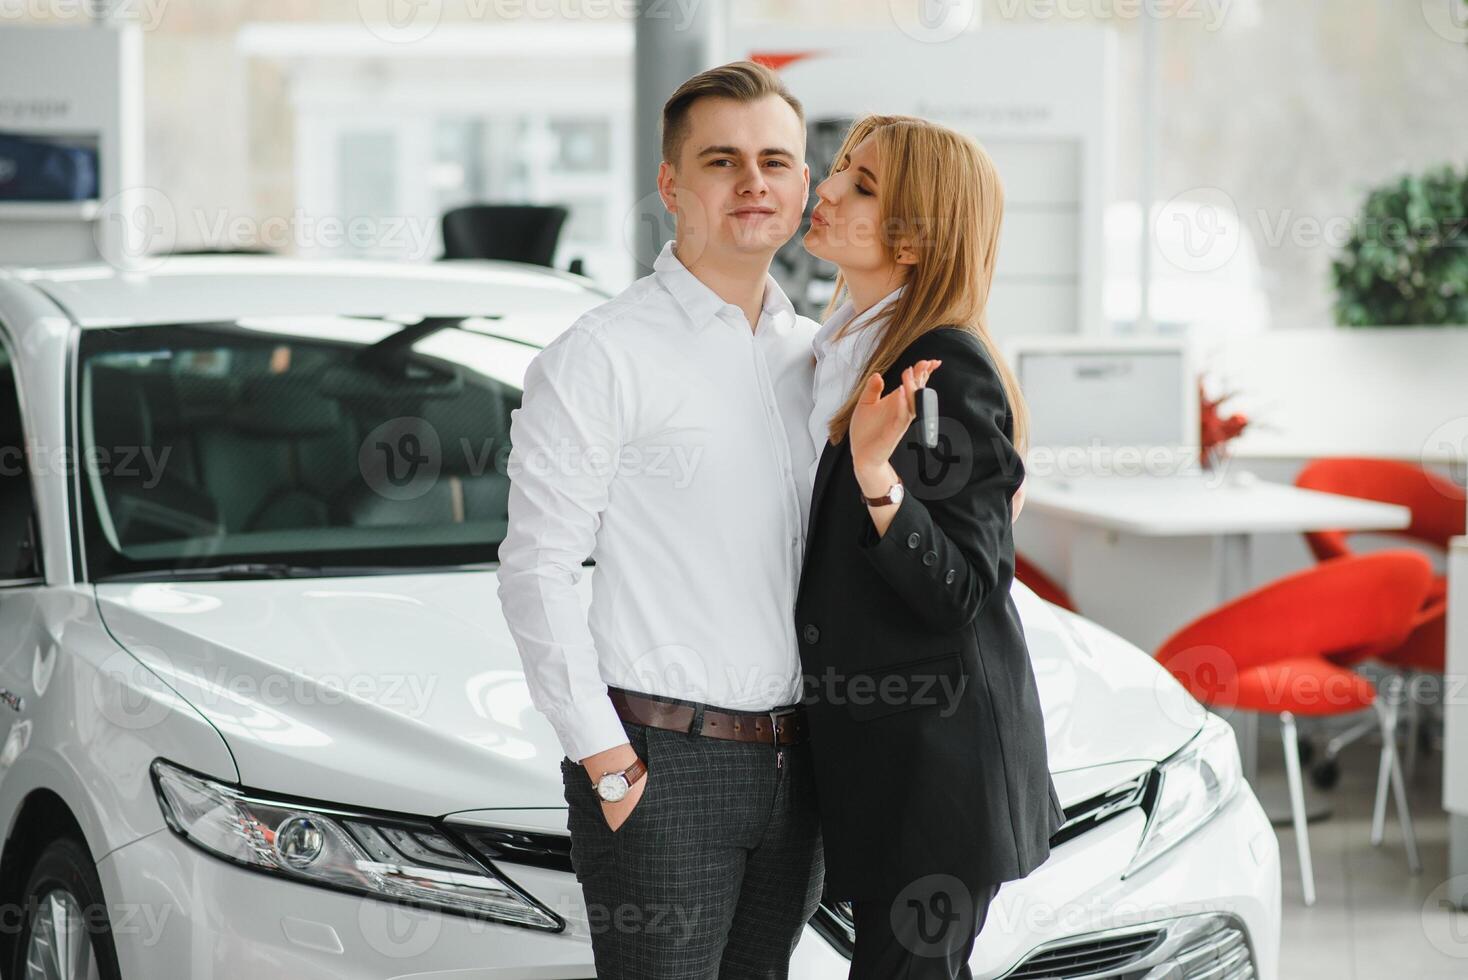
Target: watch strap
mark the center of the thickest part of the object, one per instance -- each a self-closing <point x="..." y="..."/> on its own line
<point x="632" y="773"/>
<point x="886" y="498"/>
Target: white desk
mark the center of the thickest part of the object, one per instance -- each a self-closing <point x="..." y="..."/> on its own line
<point x="1206" y="505"/>
<point x="1147" y="555"/>
<point x="1226" y="511"/>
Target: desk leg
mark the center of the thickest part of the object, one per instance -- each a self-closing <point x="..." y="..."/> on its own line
<point x="1231" y="555"/>
<point x="1458" y="860"/>
<point x="1246" y="727"/>
<point x="1233" y="566"/>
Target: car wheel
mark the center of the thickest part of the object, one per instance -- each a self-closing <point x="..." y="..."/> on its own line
<point x="67" y="933"/>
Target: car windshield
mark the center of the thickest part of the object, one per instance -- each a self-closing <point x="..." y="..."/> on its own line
<point x="267" y="445"/>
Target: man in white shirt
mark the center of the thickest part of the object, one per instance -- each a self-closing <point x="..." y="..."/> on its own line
<point x="664" y="436"/>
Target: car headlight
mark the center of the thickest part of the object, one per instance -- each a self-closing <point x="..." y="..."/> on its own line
<point x="396" y="859"/>
<point x="1195" y="784"/>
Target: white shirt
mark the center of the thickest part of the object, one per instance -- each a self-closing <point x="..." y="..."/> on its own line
<point x="839" y="364"/>
<point x="665" y="439"/>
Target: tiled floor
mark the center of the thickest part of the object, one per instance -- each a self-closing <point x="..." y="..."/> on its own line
<point x="1372" y="919"/>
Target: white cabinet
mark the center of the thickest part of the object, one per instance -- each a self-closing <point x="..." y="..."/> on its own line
<point x="81" y="84"/>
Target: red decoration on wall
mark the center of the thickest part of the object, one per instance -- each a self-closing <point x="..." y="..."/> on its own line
<point x="779" y="59"/>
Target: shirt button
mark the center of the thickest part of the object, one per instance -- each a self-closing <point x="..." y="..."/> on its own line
<point x="948" y="579"/>
<point x="930" y="558"/>
<point x="811" y="634"/>
<point x="914" y="539"/>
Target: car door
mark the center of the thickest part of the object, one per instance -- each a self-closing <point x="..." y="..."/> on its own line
<point x="21" y="626"/>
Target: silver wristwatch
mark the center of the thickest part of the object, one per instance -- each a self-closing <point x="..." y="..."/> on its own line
<point x="613" y="786"/>
<point x="893" y="496"/>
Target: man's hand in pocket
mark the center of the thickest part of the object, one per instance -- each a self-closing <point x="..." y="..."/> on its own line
<point x="615" y="760"/>
<point x="618" y="812"/>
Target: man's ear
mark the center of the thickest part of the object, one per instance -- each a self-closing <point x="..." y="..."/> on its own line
<point x="667" y="180"/>
<point x="805" y="194"/>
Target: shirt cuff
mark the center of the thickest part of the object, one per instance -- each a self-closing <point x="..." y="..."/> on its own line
<point x="588" y="727"/>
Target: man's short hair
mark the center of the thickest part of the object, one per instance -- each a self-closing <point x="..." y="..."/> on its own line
<point x="742" y="81"/>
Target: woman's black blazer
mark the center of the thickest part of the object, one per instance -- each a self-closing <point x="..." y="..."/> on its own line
<point x="927" y="734"/>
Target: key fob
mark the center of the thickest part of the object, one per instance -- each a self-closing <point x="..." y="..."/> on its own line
<point x="927" y="416"/>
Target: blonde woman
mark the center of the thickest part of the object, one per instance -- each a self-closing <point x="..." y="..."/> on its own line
<point x="927" y="735"/>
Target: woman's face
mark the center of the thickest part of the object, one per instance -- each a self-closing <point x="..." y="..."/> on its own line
<point x="846" y="224"/>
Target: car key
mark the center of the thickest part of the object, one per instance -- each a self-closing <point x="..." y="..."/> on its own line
<point x="927" y="416"/>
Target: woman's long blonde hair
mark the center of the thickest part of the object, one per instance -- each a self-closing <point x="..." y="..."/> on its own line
<point x="940" y="192"/>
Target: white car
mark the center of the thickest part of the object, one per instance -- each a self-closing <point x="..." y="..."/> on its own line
<point x="261" y="713"/>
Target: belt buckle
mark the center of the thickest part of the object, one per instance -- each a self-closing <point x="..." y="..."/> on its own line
<point x="775" y="717"/>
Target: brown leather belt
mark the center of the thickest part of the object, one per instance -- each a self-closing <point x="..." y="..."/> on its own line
<point x="786" y="726"/>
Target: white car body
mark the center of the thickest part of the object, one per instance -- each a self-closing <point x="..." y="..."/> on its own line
<point x="403" y="693"/>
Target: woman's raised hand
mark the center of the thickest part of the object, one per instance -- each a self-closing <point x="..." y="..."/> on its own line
<point x="879" y="421"/>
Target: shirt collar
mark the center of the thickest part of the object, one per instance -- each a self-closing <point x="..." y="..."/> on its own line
<point x="702" y="305"/>
<point x="824" y="341"/>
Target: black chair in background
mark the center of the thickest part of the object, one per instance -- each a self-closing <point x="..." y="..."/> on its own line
<point x="508" y="232"/>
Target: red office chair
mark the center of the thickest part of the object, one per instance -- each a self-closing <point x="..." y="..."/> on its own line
<point x="1438" y="505"/>
<point x="1439" y="508"/>
<point x="1265" y="652"/>
<point x="1041" y="584"/>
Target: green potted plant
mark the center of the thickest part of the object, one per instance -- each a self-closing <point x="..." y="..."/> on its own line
<point x="1406" y="263"/>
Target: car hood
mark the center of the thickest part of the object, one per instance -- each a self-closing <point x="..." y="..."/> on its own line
<point x="405" y="692"/>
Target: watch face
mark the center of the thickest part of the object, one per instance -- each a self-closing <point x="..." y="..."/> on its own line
<point x="896" y="493"/>
<point x="612" y="787"/>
